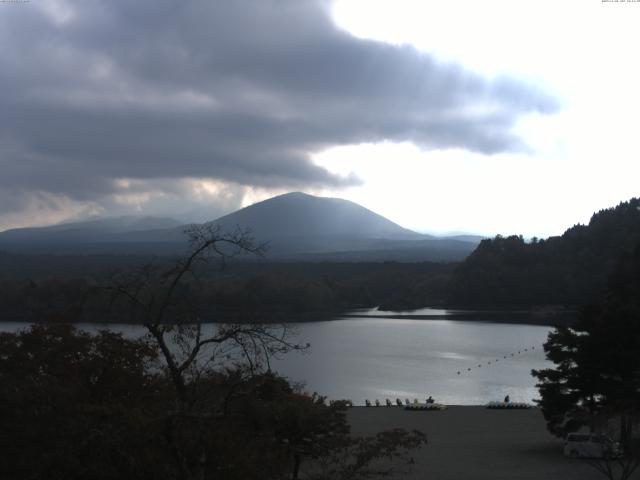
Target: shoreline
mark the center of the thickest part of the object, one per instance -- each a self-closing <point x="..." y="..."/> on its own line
<point x="506" y="317"/>
<point x="472" y="442"/>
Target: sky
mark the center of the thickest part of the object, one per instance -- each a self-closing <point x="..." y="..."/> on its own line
<point x="487" y="117"/>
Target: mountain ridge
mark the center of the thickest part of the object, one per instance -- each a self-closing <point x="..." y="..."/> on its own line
<point x="296" y="225"/>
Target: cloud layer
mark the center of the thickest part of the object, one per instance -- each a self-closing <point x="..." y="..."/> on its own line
<point x="238" y="91"/>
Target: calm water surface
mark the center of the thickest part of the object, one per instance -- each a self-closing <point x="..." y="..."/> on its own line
<point x="369" y="358"/>
<point x="377" y="358"/>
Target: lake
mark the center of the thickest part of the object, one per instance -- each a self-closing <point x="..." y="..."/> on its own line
<point x="374" y="357"/>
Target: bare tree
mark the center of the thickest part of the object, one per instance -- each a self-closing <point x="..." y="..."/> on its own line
<point x="620" y="465"/>
<point x="220" y="376"/>
<point x="166" y="300"/>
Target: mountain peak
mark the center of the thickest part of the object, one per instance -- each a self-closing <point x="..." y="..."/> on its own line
<point x="293" y="195"/>
<point x="298" y="214"/>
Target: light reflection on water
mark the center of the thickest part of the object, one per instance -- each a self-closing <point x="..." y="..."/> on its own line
<point x="369" y="358"/>
<point x="381" y="358"/>
<point x="375" y="312"/>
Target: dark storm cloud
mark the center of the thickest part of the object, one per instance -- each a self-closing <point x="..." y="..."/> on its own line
<point x="240" y="91"/>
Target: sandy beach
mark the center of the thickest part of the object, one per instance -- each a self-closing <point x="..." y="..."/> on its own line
<point x="472" y="442"/>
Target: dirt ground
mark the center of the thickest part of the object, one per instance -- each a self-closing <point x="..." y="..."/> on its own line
<point x="468" y="443"/>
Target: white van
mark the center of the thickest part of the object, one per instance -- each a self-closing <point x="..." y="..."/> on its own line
<point x="590" y="445"/>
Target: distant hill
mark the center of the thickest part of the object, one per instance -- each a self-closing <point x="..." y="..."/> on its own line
<point x="467" y="238"/>
<point x="304" y="227"/>
<point x="296" y="226"/>
<point x="571" y="269"/>
<point x="297" y="214"/>
<point x="89" y="229"/>
<point x="308" y="228"/>
<point x="125" y="234"/>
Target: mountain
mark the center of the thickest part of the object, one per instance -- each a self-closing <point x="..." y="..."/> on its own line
<point x="89" y="229"/>
<point x="304" y="227"/>
<point x="467" y="238"/>
<point x="124" y="234"/>
<point x="571" y="269"/>
<point x="296" y="226"/>
<point x="300" y="215"/>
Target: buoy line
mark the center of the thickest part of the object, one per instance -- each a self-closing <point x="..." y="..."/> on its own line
<point x="504" y="357"/>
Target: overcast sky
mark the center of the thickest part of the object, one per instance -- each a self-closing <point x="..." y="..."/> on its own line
<point x="477" y="116"/>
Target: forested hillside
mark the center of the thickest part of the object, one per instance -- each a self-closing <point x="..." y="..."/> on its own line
<point x="567" y="270"/>
<point x="74" y="288"/>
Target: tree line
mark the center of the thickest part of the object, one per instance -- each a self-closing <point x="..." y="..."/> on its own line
<point x="571" y="269"/>
<point x="258" y="291"/>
